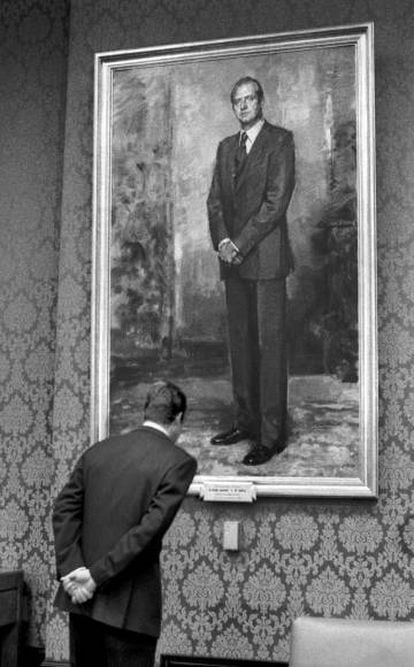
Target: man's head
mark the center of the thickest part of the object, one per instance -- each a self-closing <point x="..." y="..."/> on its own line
<point x="247" y="101"/>
<point x="166" y="404"/>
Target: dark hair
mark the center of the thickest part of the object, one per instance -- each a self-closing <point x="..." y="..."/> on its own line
<point x="164" y="402"/>
<point x="247" y="79"/>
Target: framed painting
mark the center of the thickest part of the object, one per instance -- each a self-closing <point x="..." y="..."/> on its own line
<point x="295" y="239"/>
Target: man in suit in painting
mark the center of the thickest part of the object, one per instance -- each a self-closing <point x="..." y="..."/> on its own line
<point x="251" y="189"/>
<point x="108" y="521"/>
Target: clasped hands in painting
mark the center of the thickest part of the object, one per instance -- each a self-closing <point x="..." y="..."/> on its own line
<point x="79" y="584"/>
<point x="229" y="253"/>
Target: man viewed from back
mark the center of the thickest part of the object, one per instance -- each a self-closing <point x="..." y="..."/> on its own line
<point x="108" y="521"/>
<point x="252" y="185"/>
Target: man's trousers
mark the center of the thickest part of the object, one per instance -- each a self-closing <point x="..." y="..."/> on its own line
<point x="94" y="644"/>
<point x="256" y="312"/>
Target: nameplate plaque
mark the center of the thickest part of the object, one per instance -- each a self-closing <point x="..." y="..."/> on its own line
<point x="234" y="492"/>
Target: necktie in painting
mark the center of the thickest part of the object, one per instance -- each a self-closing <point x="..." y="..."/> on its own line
<point x="241" y="155"/>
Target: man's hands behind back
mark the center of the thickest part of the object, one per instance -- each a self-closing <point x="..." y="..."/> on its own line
<point x="79" y="584"/>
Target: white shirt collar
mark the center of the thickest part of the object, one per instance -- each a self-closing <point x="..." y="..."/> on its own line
<point x="155" y="425"/>
<point x="253" y="131"/>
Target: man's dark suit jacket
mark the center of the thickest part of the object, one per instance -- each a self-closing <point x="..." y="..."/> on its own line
<point x="111" y="516"/>
<point x="253" y="209"/>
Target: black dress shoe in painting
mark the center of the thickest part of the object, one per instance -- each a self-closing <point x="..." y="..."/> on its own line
<point x="229" y="437"/>
<point x="260" y="454"/>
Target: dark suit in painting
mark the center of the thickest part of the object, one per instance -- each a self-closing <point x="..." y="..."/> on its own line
<point x="251" y="211"/>
<point x="110" y="517"/>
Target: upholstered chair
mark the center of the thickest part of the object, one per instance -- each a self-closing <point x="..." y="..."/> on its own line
<point x="331" y="642"/>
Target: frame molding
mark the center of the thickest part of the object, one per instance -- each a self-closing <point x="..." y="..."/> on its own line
<point x="361" y="38"/>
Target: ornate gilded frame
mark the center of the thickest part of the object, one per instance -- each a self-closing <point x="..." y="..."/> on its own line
<point x="356" y="41"/>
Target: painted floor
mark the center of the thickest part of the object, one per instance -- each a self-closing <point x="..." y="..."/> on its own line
<point x="323" y="426"/>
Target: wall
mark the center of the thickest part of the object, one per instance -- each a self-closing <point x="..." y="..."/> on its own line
<point x="33" y="57"/>
<point x="329" y="557"/>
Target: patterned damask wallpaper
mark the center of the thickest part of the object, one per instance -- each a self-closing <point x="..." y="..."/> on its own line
<point x="347" y="558"/>
<point x="33" y="56"/>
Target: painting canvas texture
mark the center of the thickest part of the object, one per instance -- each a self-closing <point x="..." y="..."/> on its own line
<point x="167" y="309"/>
